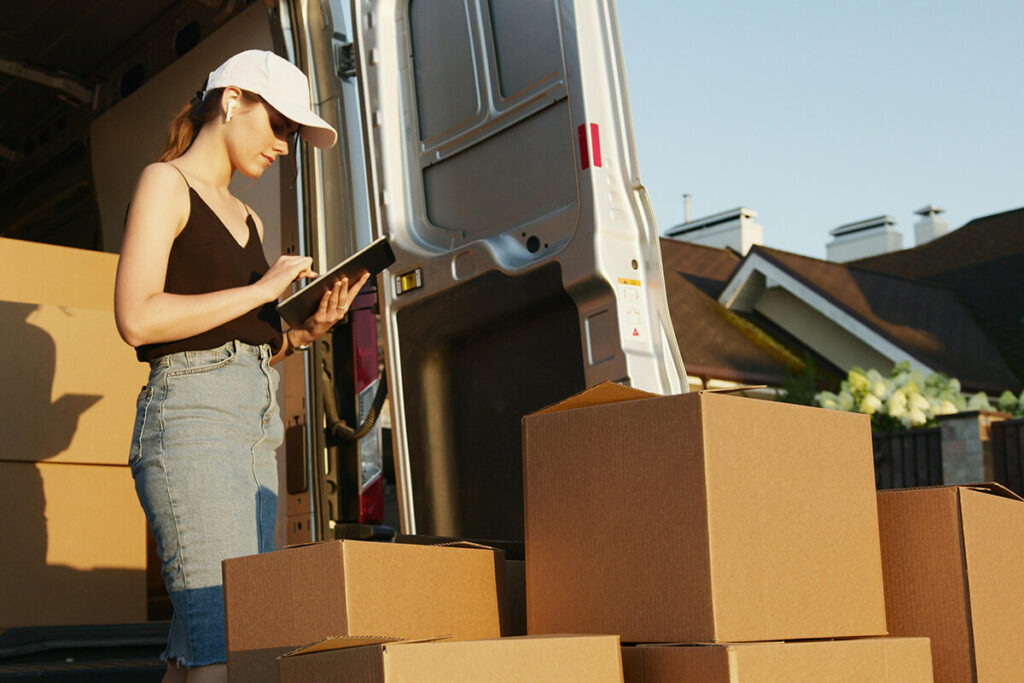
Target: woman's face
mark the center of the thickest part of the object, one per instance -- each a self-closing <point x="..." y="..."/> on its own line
<point x="256" y="135"/>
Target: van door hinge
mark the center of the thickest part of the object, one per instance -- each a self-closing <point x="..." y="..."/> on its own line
<point x="345" y="59"/>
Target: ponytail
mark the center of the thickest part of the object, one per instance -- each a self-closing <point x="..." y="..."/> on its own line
<point x="192" y="117"/>
<point x="186" y="125"/>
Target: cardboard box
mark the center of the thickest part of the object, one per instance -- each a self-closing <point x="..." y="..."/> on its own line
<point x="701" y="517"/>
<point x="587" y="659"/>
<point x="28" y="274"/>
<point x="870" y="660"/>
<point x="74" y="545"/>
<point x="953" y="559"/>
<point x="77" y="385"/>
<point x="278" y="601"/>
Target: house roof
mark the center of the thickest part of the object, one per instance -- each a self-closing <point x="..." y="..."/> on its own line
<point x="707" y="268"/>
<point x="714" y="341"/>
<point x="982" y="264"/>
<point x="925" y="320"/>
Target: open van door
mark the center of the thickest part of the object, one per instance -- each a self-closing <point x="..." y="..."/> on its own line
<point x="501" y="164"/>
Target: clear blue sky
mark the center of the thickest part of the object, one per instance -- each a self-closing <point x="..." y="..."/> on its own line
<point x="816" y="114"/>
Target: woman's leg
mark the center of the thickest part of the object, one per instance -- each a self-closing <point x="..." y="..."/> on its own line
<point x="214" y="673"/>
<point x="174" y="674"/>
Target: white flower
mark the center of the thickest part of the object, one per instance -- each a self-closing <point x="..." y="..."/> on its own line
<point x="881" y="389"/>
<point x="946" y="407"/>
<point x="917" y="402"/>
<point x="827" y="400"/>
<point x="870" y="404"/>
<point x="858" y="381"/>
<point x="979" y="402"/>
<point x="916" y="417"/>
<point x="846" y="400"/>
<point x="1007" y="402"/>
<point x="898" y="398"/>
<point x="897" y="410"/>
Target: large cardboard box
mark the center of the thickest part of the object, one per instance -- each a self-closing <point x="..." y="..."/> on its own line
<point x="866" y="660"/>
<point x="701" y="517"/>
<point x="953" y="559"/>
<point x="35" y="273"/>
<point x="71" y="385"/>
<point x="278" y="601"/>
<point x="76" y="380"/>
<point x="73" y="542"/>
<point x="567" y="659"/>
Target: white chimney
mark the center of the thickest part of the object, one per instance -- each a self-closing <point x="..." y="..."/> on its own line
<point x="733" y="229"/>
<point x="864" y="238"/>
<point x="930" y="226"/>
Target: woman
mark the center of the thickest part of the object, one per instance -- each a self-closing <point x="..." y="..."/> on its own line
<point x="195" y="297"/>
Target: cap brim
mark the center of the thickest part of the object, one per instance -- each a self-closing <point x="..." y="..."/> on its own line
<point x="312" y="128"/>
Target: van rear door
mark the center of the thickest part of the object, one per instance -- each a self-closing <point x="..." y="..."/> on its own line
<point x="501" y="164"/>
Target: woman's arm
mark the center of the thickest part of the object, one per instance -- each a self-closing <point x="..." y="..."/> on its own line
<point x="144" y="313"/>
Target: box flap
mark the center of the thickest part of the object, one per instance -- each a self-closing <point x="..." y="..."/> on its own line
<point x="731" y="390"/>
<point x="600" y="394"/>
<point x="993" y="536"/>
<point x="994" y="489"/>
<point x="465" y="544"/>
<point x="345" y="642"/>
<point x="990" y="487"/>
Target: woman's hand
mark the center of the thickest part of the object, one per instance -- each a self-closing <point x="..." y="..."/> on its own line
<point x="286" y="270"/>
<point x="334" y="305"/>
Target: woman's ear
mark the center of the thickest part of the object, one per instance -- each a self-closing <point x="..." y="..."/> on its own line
<point x="230" y="101"/>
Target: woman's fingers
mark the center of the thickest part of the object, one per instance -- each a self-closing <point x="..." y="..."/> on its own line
<point x="337" y="297"/>
<point x="354" y="291"/>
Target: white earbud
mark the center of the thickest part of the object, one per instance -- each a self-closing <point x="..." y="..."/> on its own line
<point x="231" y="108"/>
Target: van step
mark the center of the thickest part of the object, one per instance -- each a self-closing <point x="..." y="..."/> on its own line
<point x="101" y="652"/>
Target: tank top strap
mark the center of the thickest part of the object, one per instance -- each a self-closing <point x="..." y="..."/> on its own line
<point x="188" y="184"/>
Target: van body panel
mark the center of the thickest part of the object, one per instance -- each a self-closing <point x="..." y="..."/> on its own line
<point x="501" y="164"/>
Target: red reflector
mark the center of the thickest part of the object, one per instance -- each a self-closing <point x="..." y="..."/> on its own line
<point x="371" y="503"/>
<point x="581" y="131"/>
<point x="595" y="140"/>
<point x="364" y="337"/>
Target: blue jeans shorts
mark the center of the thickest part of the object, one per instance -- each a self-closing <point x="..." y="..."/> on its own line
<point x="207" y="428"/>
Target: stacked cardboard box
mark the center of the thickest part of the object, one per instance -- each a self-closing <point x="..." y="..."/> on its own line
<point x="706" y="518"/>
<point x="74" y="535"/>
<point x="952" y="558"/>
<point x="345" y="591"/>
<point x="567" y="659"/>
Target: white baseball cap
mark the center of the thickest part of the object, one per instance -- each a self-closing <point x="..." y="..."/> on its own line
<point x="281" y="84"/>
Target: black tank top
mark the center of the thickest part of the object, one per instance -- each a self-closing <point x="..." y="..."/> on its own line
<point x="206" y="257"/>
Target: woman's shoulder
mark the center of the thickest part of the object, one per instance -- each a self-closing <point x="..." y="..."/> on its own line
<point x="164" y="175"/>
<point x="162" y="190"/>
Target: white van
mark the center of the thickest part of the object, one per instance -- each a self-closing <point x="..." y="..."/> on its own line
<point x="490" y="140"/>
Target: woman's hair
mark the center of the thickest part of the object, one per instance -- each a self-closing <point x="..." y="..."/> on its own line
<point x="192" y="117"/>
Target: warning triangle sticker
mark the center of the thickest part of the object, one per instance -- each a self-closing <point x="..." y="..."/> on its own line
<point x="635" y="333"/>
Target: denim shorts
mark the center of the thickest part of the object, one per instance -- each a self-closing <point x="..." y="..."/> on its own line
<point x="207" y="427"/>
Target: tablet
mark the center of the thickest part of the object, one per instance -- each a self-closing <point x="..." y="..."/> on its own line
<point x="303" y="303"/>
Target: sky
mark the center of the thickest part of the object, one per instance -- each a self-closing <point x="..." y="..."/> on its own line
<point x="817" y="114"/>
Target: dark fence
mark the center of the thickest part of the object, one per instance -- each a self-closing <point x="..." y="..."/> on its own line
<point x="1008" y="454"/>
<point x="908" y="458"/>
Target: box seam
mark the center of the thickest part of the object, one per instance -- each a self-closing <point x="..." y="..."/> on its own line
<point x="967" y="584"/>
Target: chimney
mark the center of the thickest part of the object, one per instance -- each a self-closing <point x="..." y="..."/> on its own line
<point x="864" y="238"/>
<point x="930" y="226"/>
<point x="733" y="229"/>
